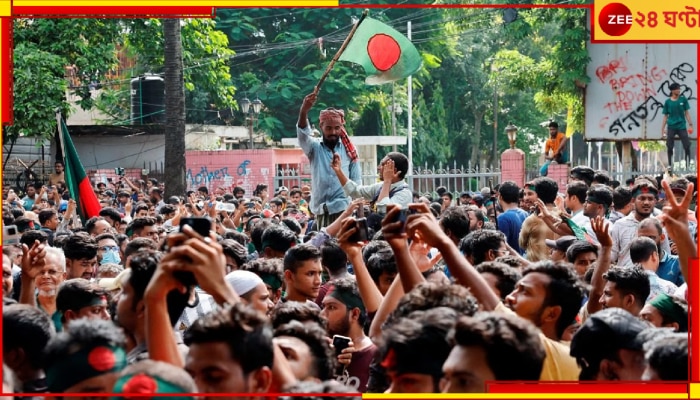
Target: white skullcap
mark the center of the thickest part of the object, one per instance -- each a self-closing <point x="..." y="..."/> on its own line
<point x="243" y="282"/>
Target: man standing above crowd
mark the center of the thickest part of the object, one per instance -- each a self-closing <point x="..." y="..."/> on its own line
<point x="556" y="144"/>
<point x="328" y="200"/>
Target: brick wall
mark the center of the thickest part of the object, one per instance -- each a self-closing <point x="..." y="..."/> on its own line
<point x="560" y="173"/>
<point x="513" y="166"/>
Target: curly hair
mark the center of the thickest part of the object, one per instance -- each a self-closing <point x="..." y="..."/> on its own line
<point x="429" y="295"/>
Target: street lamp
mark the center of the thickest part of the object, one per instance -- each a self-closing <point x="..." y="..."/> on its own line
<point x="252" y="114"/>
<point x="512" y="132"/>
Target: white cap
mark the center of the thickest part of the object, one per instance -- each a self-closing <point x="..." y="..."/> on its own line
<point x="243" y="282"/>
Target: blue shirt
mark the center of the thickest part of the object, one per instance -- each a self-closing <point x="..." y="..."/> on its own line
<point x="326" y="186"/>
<point x="670" y="269"/>
<point x="510" y="223"/>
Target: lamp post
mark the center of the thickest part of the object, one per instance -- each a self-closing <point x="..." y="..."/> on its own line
<point x="512" y="132"/>
<point x="252" y="114"/>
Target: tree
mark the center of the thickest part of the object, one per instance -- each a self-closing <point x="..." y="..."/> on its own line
<point x="174" y="109"/>
<point x="45" y="49"/>
<point x="206" y="58"/>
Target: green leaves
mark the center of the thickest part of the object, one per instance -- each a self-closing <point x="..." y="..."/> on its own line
<point x="39" y="89"/>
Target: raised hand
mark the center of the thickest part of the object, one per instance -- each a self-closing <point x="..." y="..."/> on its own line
<point x="309" y="102"/>
<point x="601" y="230"/>
<point x="675" y="214"/>
<point x="202" y="256"/>
<point x="392" y="228"/>
<point x="389" y="172"/>
<point x="335" y="163"/>
<point x="348" y="228"/>
<point x="424" y="225"/>
<point x="33" y="260"/>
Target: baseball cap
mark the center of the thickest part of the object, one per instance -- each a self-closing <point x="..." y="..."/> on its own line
<point x="108" y="193"/>
<point x="562" y="243"/>
<point x="604" y="333"/>
<point x="282" y="189"/>
<point x="465" y="193"/>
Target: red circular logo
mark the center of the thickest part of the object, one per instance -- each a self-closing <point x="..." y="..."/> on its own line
<point x="615" y="19"/>
<point x="102" y="359"/>
<point x="140" y="383"/>
<point x="384" y="51"/>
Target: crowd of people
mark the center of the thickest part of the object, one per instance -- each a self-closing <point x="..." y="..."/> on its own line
<point x="336" y="287"/>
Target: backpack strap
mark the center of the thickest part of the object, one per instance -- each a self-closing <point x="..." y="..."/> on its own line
<point x="391" y="193"/>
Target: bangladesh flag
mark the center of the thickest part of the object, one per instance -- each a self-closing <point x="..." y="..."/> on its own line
<point x="384" y="53"/>
<point x="76" y="180"/>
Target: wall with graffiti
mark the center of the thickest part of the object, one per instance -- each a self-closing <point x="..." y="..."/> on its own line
<point x="629" y="85"/>
<point x="244" y="168"/>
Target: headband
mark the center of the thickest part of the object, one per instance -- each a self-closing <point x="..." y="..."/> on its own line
<point x="664" y="303"/>
<point x="531" y="187"/>
<point x="331" y="114"/>
<point x="84" y="364"/>
<point x="142" y="383"/>
<point x="645" y="190"/>
<point x="350" y="300"/>
<point x="274" y="281"/>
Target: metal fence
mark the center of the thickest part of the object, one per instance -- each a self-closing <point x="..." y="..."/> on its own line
<point x="425" y="179"/>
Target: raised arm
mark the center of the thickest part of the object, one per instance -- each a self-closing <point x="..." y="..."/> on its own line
<point x="369" y="292"/>
<point x="675" y="220"/>
<point x="309" y="102"/>
<point x="425" y="225"/>
<point x="395" y="234"/>
<point x="33" y="261"/>
<point x="602" y="233"/>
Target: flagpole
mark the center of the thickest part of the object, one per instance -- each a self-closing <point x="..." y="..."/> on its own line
<point x="340" y="51"/>
<point x="60" y="135"/>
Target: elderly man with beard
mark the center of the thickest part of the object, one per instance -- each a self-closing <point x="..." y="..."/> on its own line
<point x="43" y="268"/>
<point x="328" y="200"/>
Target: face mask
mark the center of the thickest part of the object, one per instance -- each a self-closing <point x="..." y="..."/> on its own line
<point x="110" y="257"/>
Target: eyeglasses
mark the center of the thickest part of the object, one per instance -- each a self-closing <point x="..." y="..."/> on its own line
<point x="108" y="248"/>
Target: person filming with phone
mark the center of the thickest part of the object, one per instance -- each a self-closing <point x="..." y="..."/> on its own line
<point x="346" y="315"/>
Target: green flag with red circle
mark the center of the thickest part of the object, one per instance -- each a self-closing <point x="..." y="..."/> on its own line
<point x="384" y="53"/>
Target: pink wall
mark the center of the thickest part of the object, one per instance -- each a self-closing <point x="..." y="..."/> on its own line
<point x="245" y="168"/>
<point x="560" y="173"/>
<point x="513" y="166"/>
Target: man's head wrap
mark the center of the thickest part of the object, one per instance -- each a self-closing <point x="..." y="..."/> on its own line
<point x="84" y="364"/>
<point x="332" y="115"/>
<point x="670" y="310"/>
